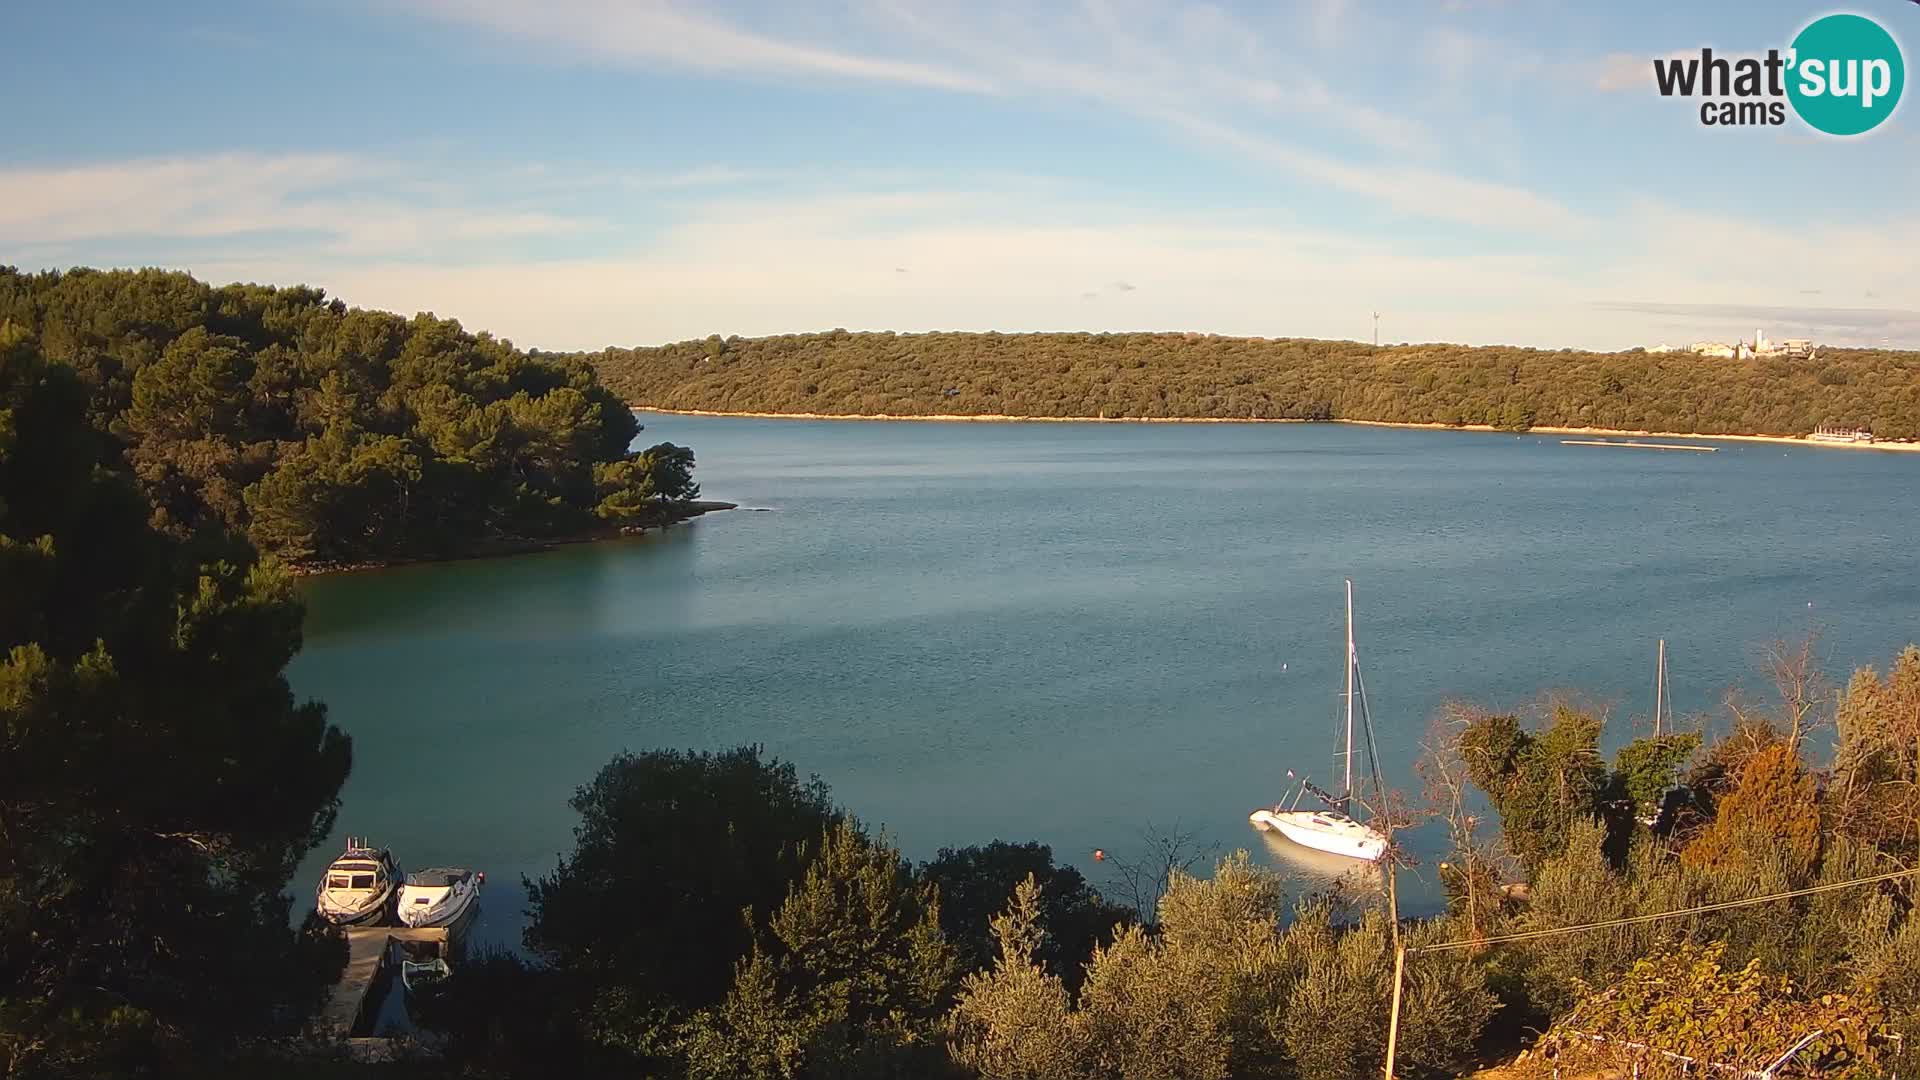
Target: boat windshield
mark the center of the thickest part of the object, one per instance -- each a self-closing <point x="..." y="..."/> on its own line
<point x="436" y="879"/>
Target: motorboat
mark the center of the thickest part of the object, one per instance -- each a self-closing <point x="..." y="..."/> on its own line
<point x="440" y="896"/>
<point x="1331" y="828"/>
<point x="358" y="887"/>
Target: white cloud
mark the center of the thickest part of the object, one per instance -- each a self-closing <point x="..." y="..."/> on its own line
<point x="1327" y="17"/>
<point x="198" y="196"/>
<point x="235" y="196"/>
<point x="1198" y="70"/>
<point x="1001" y="259"/>
<point x="655" y="31"/>
<point x="1619" y="71"/>
<point x="1422" y="192"/>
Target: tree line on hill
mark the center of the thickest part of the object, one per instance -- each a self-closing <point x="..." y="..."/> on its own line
<point x="1149" y="375"/>
<point x="334" y="435"/>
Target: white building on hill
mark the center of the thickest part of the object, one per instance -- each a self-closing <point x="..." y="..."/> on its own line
<point x="1761" y="345"/>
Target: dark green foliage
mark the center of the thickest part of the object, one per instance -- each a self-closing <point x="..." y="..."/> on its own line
<point x="1222" y="991"/>
<point x="673" y="854"/>
<point x="504" y="1016"/>
<point x="337" y="435"/>
<point x="158" y="782"/>
<point x="975" y="882"/>
<point x="851" y="979"/>
<point x="1539" y="781"/>
<point x="1169" y="375"/>
<point x="1645" y="770"/>
<point x="1877" y="758"/>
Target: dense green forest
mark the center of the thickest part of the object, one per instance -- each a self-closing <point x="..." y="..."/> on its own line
<point x="330" y="435"/>
<point x="158" y="781"/>
<point x="1195" y="375"/>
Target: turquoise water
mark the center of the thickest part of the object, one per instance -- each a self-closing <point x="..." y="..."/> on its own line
<point x="1068" y="632"/>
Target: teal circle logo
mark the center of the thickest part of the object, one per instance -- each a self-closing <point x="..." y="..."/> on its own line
<point x="1847" y="74"/>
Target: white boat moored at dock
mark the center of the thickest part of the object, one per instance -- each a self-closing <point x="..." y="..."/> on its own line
<point x="358" y="887"/>
<point x="439" y="896"/>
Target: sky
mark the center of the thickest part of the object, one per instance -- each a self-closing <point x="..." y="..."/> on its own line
<point x="583" y="173"/>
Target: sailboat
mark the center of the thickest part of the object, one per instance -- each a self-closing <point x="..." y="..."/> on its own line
<point x="1332" y="829"/>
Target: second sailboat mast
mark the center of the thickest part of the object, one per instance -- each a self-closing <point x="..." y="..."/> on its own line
<point x="1346" y="791"/>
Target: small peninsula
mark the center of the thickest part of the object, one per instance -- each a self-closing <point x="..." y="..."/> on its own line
<point x="333" y="437"/>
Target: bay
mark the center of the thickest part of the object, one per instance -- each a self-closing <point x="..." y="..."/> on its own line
<point x="1072" y="632"/>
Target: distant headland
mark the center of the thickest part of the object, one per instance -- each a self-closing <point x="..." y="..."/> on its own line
<point x="1173" y="377"/>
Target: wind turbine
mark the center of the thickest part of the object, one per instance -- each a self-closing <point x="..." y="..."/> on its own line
<point x="1376" y="315"/>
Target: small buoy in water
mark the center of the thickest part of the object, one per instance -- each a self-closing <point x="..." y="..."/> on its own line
<point x="1099" y="855"/>
<point x="1283" y="666"/>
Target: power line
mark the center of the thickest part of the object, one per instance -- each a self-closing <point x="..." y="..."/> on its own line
<point x="1447" y="946"/>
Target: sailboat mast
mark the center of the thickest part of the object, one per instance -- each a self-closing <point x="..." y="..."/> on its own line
<point x="1346" y="792"/>
<point x="1659" y="687"/>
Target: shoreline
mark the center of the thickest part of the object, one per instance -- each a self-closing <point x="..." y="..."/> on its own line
<point x="503" y="547"/>
<point x="1002" y="418"/>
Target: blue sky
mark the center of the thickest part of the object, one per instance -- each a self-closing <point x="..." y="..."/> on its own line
<point x="579" y="173"/>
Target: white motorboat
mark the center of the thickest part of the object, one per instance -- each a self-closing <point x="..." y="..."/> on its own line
<point x="1331" y="829"/>
<point x="441" y="896"/>
<point x="358" y="887"/>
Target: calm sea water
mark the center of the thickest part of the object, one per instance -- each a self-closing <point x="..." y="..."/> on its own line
<point x="1068" y="633"/>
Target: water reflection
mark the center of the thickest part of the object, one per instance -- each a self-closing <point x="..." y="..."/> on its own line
<point x="1307" y="871"/>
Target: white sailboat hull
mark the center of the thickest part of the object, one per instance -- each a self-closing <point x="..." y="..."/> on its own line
<point x="1332" y="833"/>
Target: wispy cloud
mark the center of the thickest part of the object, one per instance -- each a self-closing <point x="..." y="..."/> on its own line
<point x="1623" y="71"/>
<point x="1198" y="71"/>
<point x="653" y="31"/>
<point x="704" y="176"/>
<point x="340" y="204"/>
<point x="1846" y="326"/>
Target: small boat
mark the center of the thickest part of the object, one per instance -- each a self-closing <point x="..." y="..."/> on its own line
<point x="1331" y="829"/>
<point x="421" y="977"/>
<point x="440" y="896"/>
<point x="358" y="886"/>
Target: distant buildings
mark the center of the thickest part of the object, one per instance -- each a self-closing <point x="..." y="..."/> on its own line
<point x="1761" y="345"/>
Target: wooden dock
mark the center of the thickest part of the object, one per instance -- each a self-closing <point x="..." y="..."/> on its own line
<point x="369" y="958"/>
<point x="1638" y="445"/>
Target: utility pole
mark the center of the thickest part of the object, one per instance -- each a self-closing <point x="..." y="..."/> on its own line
<point x="1399" y="943"/>
<point x="1376" y="329"/>
<point x="1393" y="1024"/>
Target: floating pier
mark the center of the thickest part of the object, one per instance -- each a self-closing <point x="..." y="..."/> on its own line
<point x="1638" y="445"/>
<point x="370" y="964"/>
